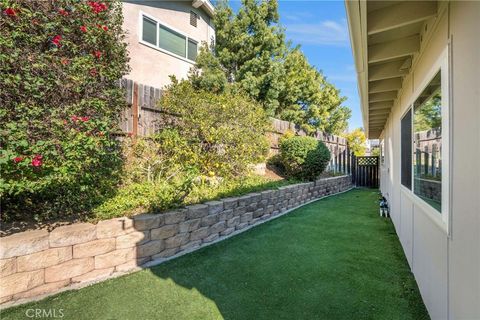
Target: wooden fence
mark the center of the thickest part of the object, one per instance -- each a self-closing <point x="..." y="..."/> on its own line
<point x="142" y="117"/>
<point x="365" y="171"/>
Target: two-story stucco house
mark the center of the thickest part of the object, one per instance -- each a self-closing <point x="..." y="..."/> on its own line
<point x="164" y="37"/>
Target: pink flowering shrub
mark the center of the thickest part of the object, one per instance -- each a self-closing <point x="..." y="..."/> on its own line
<point x="60" y="61"/>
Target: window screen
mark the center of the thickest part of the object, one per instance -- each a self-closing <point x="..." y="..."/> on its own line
<point x="171" y="41"/>
<point x="192" y="50"/>
<point x="149" y="31"/>
<point x="406" y="150"/>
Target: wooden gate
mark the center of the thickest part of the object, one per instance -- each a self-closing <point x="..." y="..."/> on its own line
<point x="365" y="171"/>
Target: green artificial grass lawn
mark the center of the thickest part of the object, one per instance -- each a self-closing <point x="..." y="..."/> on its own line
<point x="332" y="259"/>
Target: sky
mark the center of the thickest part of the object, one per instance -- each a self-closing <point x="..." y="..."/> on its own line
<point x="320" y="27"/>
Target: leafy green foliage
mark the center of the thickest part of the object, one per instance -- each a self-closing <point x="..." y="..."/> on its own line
<point x="304" y="157"/>
<point x="161" y="157"/>
<point x="309" y="100"/>
<point x="250" y="46"/>
<point x="356" y="141"/>
<point x="251" y="54"/>
<point x="60" y="63"/>
<point x="153" y="197"/>
<point x="226" y="132"/>
<point x="429" y="115"/>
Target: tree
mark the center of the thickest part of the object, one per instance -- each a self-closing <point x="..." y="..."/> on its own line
<point x="252" y="56"/>
<point x="250" y="45"/>
<point x="208" y="74"/>
<point x="356" y="141"/>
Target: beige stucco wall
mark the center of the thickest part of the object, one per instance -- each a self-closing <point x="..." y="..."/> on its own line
<point x="445" y="261"/>
<point x="153" y="67"/>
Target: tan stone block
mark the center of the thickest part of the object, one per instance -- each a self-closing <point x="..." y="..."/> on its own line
<point x="93" y="248"/>
<point x="114" y="227"/>
<point x="114" y="258"/>
<point x="7" y="267"/>
<point x="189" y="225"/>
<point x="148" y="221"/>
<point x="164" y="232"/>
<point x="175" y="216"/>
<point x="132" y="239"/>
<point x="44" y="259"/>
<point x="69" y="269"/>
<point x="72" y="234"/>
<point x="23" y="243"/>
<point x="150" y="248"/>
<point x="43" y="289"/>
<point x="20" y="282"/>
<point x="177" y="241"/>
<point x="94" y="275"/>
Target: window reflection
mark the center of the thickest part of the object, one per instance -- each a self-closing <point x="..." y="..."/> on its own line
<point x="427" y="135"/>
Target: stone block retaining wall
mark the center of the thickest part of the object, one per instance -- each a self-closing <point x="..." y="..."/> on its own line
<point x="35" y="263"/>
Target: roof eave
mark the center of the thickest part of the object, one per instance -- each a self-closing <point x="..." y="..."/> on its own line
<point x="357" y="18"/>
<point x="206" y="5"/>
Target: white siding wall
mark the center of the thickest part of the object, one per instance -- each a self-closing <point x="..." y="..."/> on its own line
<point x="446" y="266"/>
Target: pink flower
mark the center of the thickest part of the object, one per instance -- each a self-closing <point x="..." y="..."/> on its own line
<point x="37" y="160"/>
<point x="63" y="12"/>
<point x="18" y="159"/>
<point x="83" y="28"/>
<point x="97" y="54"/>
<point x="56" y="40"/>
<point x="10" y="12"/>
<point x="74" y="118"/>
<point x="105" y="28"/>
<point x="97" y="7"/>
<point x="93" y="72"/>
<point x="85" y="119"/>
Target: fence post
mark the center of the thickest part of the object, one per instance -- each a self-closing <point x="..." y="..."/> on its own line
<point x="135" y="109"/>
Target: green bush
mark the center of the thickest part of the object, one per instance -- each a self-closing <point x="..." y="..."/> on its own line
<point x="225" y="131"/>
<point x="61" y="62"/>
<point x="157" y="158"/>
<point x="304" y="157"/>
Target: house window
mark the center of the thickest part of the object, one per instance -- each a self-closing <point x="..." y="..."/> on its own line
<point x="192" y="49"/>
<point x="171" y="41"/>
<point x="406" y="150"/>
<point x="427" y="136"/>
<point x="149" y="31"/>
<point x="167" y="39"/>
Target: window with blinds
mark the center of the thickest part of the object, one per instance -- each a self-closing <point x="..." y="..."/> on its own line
<point x="192" y="49"/>
<point x="149" y="31"/>
<point x="171" y="41"/>
<point x="156" y="34"/>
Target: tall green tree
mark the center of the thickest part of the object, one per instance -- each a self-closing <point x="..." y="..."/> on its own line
<point x="251" y="55"/>
<point x="251" y="47"/>
<point x="309" y="99"/>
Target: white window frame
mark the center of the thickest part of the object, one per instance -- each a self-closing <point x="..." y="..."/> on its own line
<point x="156" y="46"/>
<point x="441" y="65"/>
